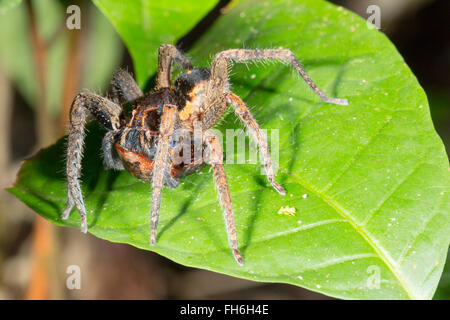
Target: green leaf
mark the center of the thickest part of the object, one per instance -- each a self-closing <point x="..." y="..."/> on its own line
<point x="5" y="5"/>
<point x="443" y="290"/>
<point x="369" y="181"/>
<point x="104" y="54"/>
<point x="14" y="38"/>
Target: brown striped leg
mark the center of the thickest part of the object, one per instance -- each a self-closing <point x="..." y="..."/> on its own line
<point x="125" y="87"/>
<point x="161" y="162"/>
<point x="258" y="136"/>
<point x="107" y="113"/>
<point x="168" y="54"/>
<point x="215" y="159"/>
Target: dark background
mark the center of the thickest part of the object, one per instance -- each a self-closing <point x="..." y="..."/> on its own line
<point x="32" y="251"/>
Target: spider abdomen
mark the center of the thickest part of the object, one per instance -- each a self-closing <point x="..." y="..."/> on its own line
<point x="141" y="166"/>
<point x="136" y="164"/>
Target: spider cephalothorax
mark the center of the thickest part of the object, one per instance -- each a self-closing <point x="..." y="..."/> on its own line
<point x="147" y="142"/>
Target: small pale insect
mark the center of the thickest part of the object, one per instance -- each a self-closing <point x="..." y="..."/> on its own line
<point x="289" y="211"/>
<point x="144" y="141"/>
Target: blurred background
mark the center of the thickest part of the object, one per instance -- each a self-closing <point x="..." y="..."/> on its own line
<point x="43" y="65"/>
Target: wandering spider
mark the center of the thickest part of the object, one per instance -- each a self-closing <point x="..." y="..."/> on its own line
<point x="144" y="141"/>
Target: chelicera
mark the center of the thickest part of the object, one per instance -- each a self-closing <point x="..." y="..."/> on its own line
<point x="144" y="142"/>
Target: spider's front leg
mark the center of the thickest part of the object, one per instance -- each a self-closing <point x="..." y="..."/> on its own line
<point x="215" y="159"/>
<point x="161" y="161"/>
<point x="257" y="135"/>
<point x="219" y="74"/>
<point x="168" y="54"/>
<point x="107" y="113"/>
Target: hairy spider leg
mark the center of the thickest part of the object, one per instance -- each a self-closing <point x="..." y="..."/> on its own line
<point x="219" y="72"/>
<point x="166" y="55"/>
<point x="124" y="90"/>
<point x="161" y="161"/>
<point x="124" y="87"/>
<point x="107" y="113"/>
<point x="215" y="159"/>
<point x="257" y="135"/>
<point x="111" y="159"/>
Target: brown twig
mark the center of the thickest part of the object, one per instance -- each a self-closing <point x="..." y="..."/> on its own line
<point x="5" y="154"/>
<point x="72" y="76"/>
<point x="43" y="251"/>
<point x="5" y="123"/>
<point x="45" y="126"/>
<point x="38" y="288"/>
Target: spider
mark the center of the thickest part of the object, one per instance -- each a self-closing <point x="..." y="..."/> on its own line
<point x="144" y="141"/>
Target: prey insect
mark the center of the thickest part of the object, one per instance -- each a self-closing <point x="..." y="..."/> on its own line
<point x="144" y="142"/>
